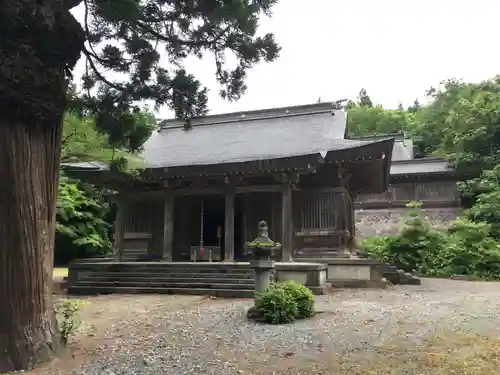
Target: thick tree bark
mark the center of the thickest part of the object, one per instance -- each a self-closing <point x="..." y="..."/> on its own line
<point x="29" y="170"/>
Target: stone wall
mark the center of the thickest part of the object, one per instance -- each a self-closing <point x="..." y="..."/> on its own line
<point x="372" y="222"/>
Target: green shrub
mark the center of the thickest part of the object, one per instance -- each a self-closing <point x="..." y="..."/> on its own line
<point x="466" y="248"/>
<point x="83" y="226"/>
<point x="377" y="247"/>
<point x="284" y="302"/>
<point x="276" y="305"/>
<point x="409" y="250"/>
<point x="302" y="296"/>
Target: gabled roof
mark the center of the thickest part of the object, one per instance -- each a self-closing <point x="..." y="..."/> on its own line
<point x="251" y="136"/>
<point x="403" y="147"/>
<point x="420" y="166"/>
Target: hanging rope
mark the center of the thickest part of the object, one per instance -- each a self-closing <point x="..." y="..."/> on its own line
<point x="201" y="227"/>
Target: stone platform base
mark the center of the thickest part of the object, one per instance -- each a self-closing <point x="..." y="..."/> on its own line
<point x="354" y="273"/>
<point x="312" y="275"/>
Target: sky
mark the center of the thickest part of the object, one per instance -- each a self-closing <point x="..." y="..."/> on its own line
<point x="395" y="49"/>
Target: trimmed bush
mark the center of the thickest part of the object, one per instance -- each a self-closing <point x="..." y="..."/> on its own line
<point x="276" y="305"/>
<point x="302" y="296"/>
<point x="283" y="303"/>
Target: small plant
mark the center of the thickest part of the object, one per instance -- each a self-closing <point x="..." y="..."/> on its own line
<point x="283" y="303"/>
<point x="302" y="296"/>
<point x="67" y="316"/>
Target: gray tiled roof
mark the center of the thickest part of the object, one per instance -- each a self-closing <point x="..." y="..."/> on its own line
<point x="420" y="166"/>
<point x="247" y="136"/>
<point x="402" y="149"/>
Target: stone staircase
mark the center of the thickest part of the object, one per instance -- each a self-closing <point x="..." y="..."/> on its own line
<point x="216" y="279"/>
<point x="394" y="275"/>
<point x="399" y="277"/>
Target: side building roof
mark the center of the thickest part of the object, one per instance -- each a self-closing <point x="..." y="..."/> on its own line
<point x="424" y="166"/>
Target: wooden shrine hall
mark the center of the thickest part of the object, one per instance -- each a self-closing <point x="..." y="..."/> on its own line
<point x="206" y="187"/>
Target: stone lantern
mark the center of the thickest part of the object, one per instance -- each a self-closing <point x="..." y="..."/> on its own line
<point x="262" y="249"/>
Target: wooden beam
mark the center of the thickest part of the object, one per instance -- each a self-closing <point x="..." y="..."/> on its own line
<point x="121" y="219"/>
<point x="286" y="223"/>
<point x="229" y="227"/>
<point x="141" y="195"/>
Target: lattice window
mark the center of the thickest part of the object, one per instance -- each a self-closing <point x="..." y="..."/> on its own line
<point x="139" y="217"/>
<point x="320" y="211"/>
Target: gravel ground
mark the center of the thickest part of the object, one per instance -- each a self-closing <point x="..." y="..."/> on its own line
<point x="354" y="333"/>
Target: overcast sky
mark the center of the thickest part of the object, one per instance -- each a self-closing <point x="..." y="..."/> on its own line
<point x="396" y="49"/>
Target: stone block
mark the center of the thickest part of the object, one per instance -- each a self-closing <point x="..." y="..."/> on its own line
<point x="312" y="275"/>
<point x="355" y="273"/>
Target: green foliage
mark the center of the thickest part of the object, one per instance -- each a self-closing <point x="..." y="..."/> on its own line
<point x="365" y="121"/>
<point x="81" y="141"/>
<point x="67" y="316"/>
<point x="466" y="248"/>
<point x="82" y="227"/>
<point x="126" y="37"/>
<point x="484" y="192"/>
<point x="412" y="247"/>
<point x="276" y="305"/>
<point x="302" y="296"/>
<point x="460" y="123"/>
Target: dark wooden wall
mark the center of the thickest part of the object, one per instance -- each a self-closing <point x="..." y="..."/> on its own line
<point x="399" y="194"/>
<point x="320" y="219"/>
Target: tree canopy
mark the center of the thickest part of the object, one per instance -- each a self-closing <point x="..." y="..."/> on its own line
<point x="141" y="39"/>
<point x="460" y="122"/>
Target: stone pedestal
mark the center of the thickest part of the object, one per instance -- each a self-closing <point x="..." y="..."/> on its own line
<point x="311" y="275"/>
<point x="262" y="249"/>
<point x="263" y="273"/>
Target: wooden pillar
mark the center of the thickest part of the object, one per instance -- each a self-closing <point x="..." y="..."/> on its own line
<point x="121" y="219"/>
<point x="286" y="223"/>
<point x="229" y="228"/>
<point x="244" y="223"/>
<point x="168" y="228"/>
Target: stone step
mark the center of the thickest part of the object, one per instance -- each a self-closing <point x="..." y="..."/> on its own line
<point x="224" y="293"/>
<point x="185" y="275"/>
<point x="317" y="256"/>
<point x="166" y="280"/>
<point x="195" y="284"/>
<point x="198" y="266"/>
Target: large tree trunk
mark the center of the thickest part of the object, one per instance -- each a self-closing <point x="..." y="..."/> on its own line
<point x="44" y="44"/>
<point x="29" y="170"/>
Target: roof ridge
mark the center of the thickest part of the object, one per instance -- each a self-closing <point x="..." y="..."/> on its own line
<point x="428" y="159"/>
<point x="260" y="114"/>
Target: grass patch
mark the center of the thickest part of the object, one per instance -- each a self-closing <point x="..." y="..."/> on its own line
<point x="450" y="353"/>
<point x="60" y="272"/>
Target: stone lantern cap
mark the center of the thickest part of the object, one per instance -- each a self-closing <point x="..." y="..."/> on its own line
<point x="263" y="241"/>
